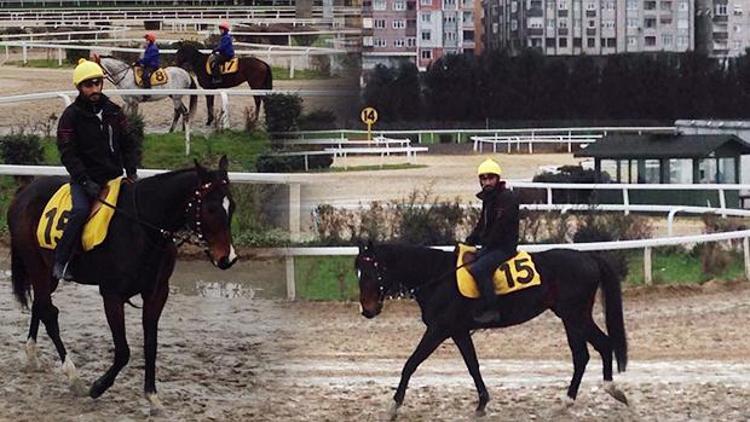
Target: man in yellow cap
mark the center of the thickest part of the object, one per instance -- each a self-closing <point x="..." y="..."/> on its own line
<point x="94" y="141"/>
<point x="497" y="233"/>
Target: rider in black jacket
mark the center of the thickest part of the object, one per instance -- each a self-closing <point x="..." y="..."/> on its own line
<point x="95" y="145"/>
<point x="496" y="231"/>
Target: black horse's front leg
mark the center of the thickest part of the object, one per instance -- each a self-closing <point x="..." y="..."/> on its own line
<point x="153" y="304"/>
<point x="210" y="109"/>
<point x="466" y="347"/>
<point x="430" y="341"/>
<point x="113" y="307"/>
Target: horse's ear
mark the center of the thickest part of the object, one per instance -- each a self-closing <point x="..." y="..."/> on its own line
<point x="223" y="163"/>
<point x="202" y="172"/>
<point x="370" y="245"/>
<point x="95" y="57"/>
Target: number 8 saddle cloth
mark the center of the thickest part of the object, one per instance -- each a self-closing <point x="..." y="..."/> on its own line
<point x="516" y="274"/>
<point x="55" y="217"/>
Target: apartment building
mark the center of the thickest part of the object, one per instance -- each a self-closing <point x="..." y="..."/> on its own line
<point x="722" y="27"/>
<point x="593" y="27"/>
<point x="418" y="30"/>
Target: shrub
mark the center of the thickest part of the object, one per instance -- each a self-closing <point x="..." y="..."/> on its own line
<point x="282" y="113"/>
<point x="21" y="149"/>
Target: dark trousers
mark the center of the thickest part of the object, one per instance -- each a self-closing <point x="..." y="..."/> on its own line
<point x="147" y="71"/>
<point x="484" y="267"/>
<point x="71" y="237"/>
<point x="219" y="59"/>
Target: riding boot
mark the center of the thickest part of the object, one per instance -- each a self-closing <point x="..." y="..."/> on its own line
<point x="216" y="72"/>
<point x="63" y="252"/>
<point x="487" y="311"/>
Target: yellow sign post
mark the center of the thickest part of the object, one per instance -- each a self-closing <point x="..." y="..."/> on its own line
<point x="369" y="116"/>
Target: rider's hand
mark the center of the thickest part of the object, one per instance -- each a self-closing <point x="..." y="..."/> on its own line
<point x="91" y="188"/>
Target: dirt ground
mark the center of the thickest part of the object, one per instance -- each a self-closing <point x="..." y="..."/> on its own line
<point x="16" y="80"/>
<point x="255" y="359"/>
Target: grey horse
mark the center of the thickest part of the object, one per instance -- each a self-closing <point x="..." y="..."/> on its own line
<point x="121" y="75"/>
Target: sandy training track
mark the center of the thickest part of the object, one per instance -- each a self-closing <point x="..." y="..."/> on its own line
<point x="251" y="359"/>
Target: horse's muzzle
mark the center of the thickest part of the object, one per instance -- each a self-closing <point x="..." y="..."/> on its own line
<point x="369" y="313"/>
<point x="225" y="262"/>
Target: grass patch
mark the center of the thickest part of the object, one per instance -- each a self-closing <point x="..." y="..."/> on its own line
<point x="167" y="150"/>
<point x="326" y="278"/>
<point x="679" y="268"/>
<point x="41" y="63"/>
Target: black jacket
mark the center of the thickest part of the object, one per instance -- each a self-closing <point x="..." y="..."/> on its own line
<point x="497" y="227"/>
<point x="94" y="147"/>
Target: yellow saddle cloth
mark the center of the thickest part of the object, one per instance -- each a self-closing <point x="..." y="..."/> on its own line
<point x="55" y="217"/>
<point x="229" y="66"/>
<point x="158" y="77"/>
<point x="516" y="274"/>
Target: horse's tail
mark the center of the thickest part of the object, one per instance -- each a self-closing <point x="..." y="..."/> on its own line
<point x="610" y="281"/>
<point x="18" y="277"/>
<point x="268" y="81"/>
<point x="193" y="99"/>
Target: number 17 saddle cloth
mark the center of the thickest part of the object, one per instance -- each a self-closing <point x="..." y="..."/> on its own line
<point x="55" y="217"/>
<point x="516" y="274"/>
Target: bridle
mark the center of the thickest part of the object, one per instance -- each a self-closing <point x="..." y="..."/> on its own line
<point x="110" y="76"/>
<point x="387" y="287"/>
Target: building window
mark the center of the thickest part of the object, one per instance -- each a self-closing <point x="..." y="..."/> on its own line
<point x="632" y="5"/>
<point x="649" y="5"/>
<point x="367" y="41"/>
<point x="650" y="41"/>
<point x="563" y="42"/>
<point x="378" y="5"/>
<point x="425" y="2"/>
<point x="666" y="6"/>
<point x="612" y="42"/>
<point x="737" y="10"/>
<point x="399" y="5"/>
<point x="468" y="35"/>
<point x="398" y="43"/>
<point x="632" y="41"/>
<point x="649" y="22"/>
<point x="562" y="24"/>
<point x="467" y="17"/>
<point x="380" y="42"/>
<point x="562" y="5"/>
<point x="577" y="42"/>
<point x="591" y="42"/>
<point x="590" y="6"/>
<point x="494" y="27"/>
<point x="592" y="23"/>
<point x="665" y="20"/>
<point x="514" y="25"/>
<point x="426" y="18"/>
<point x="682" y="41"/>
<point x="680" y="170"/>
<point x="411" y="23"/>
<point x="684" y="5"/>
<point x="667" y="40"/>
<point x="411" y="42"/>
<point x="514" y="7"/>
<point x="609" y="24"/>
<point x="550" y="24"/>
<point x="426" y="35"/>
<point x="632" y="22"/>
<point x="380" y="23"/>
<point x="447" y="3"/>
<point x="426" y="54"/>
<point x="721" y="9"/>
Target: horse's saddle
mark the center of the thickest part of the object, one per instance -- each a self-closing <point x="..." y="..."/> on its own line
<point x="515" y="274"/>
<point x="55" y="217"/>
<point x="158" y="77"/>
<point x="230" y="66"/>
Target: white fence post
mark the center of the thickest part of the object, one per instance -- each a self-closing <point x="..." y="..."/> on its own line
<point x="59" y="56"/>
<point x="626" y="200"/>
<point x="291" y="288"/>
<point x="647" y="266"/>
<point x="295" y="206"/>
<point x="723" y="203"/>
<point x="549" y="196"/>
<point x="746" y="253"/>
<point x="24" y="52"/>
<point x="224" y="110"/>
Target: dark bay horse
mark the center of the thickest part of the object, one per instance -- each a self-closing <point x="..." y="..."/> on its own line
<point x="255" y="72"/>
<point x="569" y="283"/>
<point x="137" y="257"/>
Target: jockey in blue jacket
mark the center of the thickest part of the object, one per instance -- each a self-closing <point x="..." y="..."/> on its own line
<point x="222" y="53"/>
<point x="150" y="59"/>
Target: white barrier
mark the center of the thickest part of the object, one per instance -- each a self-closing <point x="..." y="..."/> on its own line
<point x="569" y="139"/>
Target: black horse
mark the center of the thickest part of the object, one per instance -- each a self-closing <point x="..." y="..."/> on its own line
<point x="569" y="283"/>
<point x="137" y="257"/>
<point x="255" y="72"/>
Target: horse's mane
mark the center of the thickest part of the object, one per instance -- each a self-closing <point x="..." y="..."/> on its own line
<point x="398" y="251"/>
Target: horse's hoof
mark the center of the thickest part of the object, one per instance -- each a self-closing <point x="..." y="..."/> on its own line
<point x="97" y="389"/>
<point x="615" y="392"/>
<point x="480" y="413"/>
<point x="156" y="409"/>
<point x="78" y="388"/>
<point x="393" y="411"/>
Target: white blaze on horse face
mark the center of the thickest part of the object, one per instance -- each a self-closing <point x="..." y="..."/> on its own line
<point x="225" y="203"/>
<point x="359" y="274"/>
<point x="232" y="254"/>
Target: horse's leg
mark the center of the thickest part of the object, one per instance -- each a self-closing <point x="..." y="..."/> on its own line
<point x="576" y="330"/>
<point x="430" y="341"/>
<point x="466" y="347"/>
<point x="177" y="112"/>
<point x="31" y="348"/>
<point x="153" y="303"/>
<point x="210" y="109"/>
<point x="602" y="344"/>
<point x="113" y="307"/>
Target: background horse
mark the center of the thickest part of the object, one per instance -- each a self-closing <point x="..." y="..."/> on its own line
<point x="569" y="283"/>
<point x="255" y="72"/>
<point x="135" y="258"/>
<point x="121" y="75"/>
